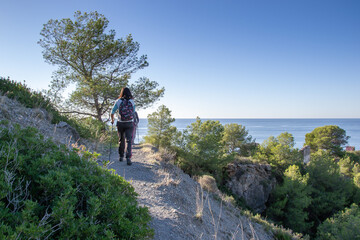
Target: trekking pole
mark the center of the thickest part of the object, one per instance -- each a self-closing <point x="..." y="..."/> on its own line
<point x="112" y="129"/>
<point x="137" y="131"/>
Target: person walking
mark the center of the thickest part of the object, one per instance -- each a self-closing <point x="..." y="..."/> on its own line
<point x="125" y="106"/>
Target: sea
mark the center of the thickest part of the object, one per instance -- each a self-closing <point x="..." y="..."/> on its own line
<point x="261" y="129"/>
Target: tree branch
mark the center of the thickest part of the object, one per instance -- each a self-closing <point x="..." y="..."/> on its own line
<point x="81" y="113"/>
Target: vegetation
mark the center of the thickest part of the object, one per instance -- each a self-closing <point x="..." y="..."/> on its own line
<point x="98" y="64"/>
<point x="205" y="147"/>
<point x="343" y="225"/>
<point x="160" y="132"/>
<point x="202" y="149"/>
<point x="308" y="195"/>
<point x="330" y="138"/>
<point x="290" y="200"/>
<point x="57" y="193"/>
<point x="331" y="191"/>
<point x="236" y="140"/>
<point x="279" y="152"/>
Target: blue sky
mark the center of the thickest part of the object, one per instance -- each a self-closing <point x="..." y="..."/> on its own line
<point x="216" y="59"/>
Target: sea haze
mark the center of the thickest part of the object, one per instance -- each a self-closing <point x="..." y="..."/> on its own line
<point x="261" y="129"/>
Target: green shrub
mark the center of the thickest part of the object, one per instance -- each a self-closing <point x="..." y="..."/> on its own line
<point x="48" y="191"/>
<point x="202" y="149"/>
<point x="282" y="236"/>
<point x="289" y="201"/>
<point x="343" y="225"/>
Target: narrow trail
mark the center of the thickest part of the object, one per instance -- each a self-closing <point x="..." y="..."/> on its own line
<point x="144" y="175"/>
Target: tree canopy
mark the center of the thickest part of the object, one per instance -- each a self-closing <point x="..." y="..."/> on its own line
<point x="343" y="225"/>
<point x="237" y="140"/>
<point x="330" y="138"/>
<point x="290" y="200"/>
<point x="96" y="62"/>
<point x="279" y="151"/>
<point x="160" y="131"/>
<point x="202" y="148"/>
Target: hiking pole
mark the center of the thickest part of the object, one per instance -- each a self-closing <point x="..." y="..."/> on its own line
<point x="137" y="131"/>
<point x="112" y="129"/>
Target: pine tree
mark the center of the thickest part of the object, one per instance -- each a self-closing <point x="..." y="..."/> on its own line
<point x="160" y="132"/>
<point x="290" y="200"/>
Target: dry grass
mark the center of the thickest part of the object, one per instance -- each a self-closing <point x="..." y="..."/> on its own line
<point x="167" y="156"/>
<point x="215" y="223"/>
<point x="167" y="179"/>
<point x="208" y="183"/>
<point x="156" y="156"/>
<point x="3" y="109"/>
<point x="3" y="99"/>
<point x="228" y="199"/>
<point x="38" y="114"/>
<point x="199" y="203"/>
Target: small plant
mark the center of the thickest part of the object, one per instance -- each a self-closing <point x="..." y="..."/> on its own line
<point x="228" y="199"/>
<point x="167" y="179"/>
<point x="199" y="203"/>
<point x="208" y="183"/>
<point x="269" y="226"/>
<point x="282" y="236"/>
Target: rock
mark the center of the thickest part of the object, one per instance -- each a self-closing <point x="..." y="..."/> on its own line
<point x="40" y="113"/>
<point x="306" y="154"/>
<point x="69" y="129"/>
<point x="251" y="182"/>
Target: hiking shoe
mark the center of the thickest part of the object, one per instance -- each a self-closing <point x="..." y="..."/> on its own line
<point x="128" y="161"/>
<point x="121" y="159"/>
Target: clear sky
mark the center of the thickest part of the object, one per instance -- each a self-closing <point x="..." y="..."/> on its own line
<point x="216" y="59"/>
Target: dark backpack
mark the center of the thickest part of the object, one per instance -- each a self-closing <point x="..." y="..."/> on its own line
<point x="126" y="110"/>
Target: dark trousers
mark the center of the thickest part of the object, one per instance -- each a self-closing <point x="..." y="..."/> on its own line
<point x="125" y="133"/>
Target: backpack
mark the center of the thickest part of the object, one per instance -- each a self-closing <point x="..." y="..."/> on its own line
<point x="126" y="110"/>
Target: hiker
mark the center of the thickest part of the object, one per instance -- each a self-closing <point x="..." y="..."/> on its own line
<point x="136" y="122"/>
<point x="125" y="106"/>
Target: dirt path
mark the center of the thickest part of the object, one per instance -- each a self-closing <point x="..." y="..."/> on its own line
<point x="143" y="174"/>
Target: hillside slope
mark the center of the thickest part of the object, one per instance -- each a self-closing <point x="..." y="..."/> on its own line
<point x="171" y="196"/>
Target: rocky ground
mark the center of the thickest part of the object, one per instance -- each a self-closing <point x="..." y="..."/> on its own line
<point x="177" y="204"/>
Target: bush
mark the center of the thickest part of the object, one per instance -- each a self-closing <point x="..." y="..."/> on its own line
<point x="208" y="183"/>
<point x="331" y="191"/>
<point x="289" y="201"/>
<point x="343" y="225"/>
<point x="202" y="150"/>
<point x="53" y="192"/>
